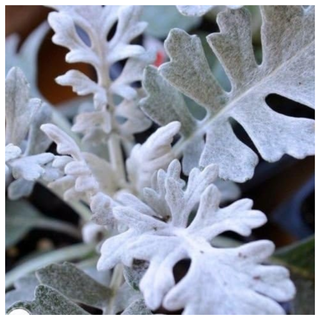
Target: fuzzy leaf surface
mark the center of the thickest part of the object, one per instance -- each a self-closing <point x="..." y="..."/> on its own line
<point x="137" y="307"/>
<point x="24" y="116"/>
<point x="160" y="232"/>
<point x="49" y="302"/>
<point x="83" y="174"/>
<point x="74" y="284"/>
<point x="103" y="52"/>
<point x="151" y="156"/>
<point x="287" y="69"/>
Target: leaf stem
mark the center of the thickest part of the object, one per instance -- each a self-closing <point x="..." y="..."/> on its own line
<point x="59" y="226"/>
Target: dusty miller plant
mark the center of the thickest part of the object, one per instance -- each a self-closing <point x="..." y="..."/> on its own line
<point x="155" y="217"/>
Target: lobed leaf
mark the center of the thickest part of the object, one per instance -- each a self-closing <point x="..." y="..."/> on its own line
<point x="287" y="69"/>
<point x="162" y="231"/>
<point x="101" y="50"/>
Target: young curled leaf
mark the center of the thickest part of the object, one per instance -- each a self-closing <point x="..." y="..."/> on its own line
<point x="83" y="174"/>
<point x="151" y="156"/>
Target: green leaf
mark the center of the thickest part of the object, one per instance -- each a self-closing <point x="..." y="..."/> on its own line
<point x="304" y="302"/>
<point x="49" y="302"/>
<point x="299" y="258"/>
<point x="74" y="284"/>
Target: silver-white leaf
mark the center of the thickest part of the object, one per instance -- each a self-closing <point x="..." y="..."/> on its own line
<point x="95" y="48"/>
<point x="30" y="168"/>
<point x="151" y="156"/>
<point x="287" y="69"/>
<point x="83" y="85"/>
<point x="161" y="233"/>
<point x="18" y="115"/>
<point x="25" y="143"/>
<point x="83" y="176"/>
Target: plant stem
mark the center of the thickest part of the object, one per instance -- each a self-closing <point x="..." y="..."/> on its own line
<point x="116" y="279"/>
<point x="73" y="252"/>
<point x="116" y="158"/>
<point x="115" y="283"/>
<point x="114" y="141"/>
